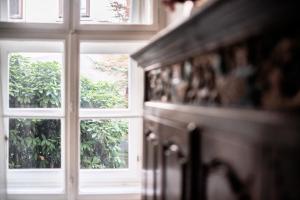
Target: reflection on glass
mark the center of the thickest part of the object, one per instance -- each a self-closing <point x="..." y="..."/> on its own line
<point x="34" y="143"/>
<point x="16" y="9"/>
<point x="104" y="144"/>
<point x="35" y="80"/>
<point x="104" y="81"/>
<point x="105" y="11"/>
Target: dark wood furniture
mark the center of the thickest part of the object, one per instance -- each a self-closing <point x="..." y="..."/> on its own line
<point x="221" y="112"/>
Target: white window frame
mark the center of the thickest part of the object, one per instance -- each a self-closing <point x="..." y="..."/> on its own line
<point x="17" y="176"/>
<point x="3" y="152"/>
<point x="72" y="33"/>
<point x="153" y="22"/>
<point x="119" y="178"/>
<point x="29" y="47"/>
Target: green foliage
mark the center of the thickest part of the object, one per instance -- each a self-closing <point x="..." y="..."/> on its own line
<point x="36" y="143"/>
<point x="101" y="139"/>
<point x="33" y="84"/>
<point x="102" y="94"/>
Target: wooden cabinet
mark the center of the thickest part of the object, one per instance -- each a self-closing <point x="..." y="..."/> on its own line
<point x="233" y="165"/>
<point x="174" y="162"/>
<point x="168" y="149"/>
<point x="179" y="144"/>
<point x="150" y="165"/>
<point x="257" y="166"/>
<point x="222" y="101"/>
<point x="252" y="155"/>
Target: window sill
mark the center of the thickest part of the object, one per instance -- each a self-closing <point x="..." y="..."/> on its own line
<point x="121" y="193"/>
<point x="109" y="190"/>
<point x="33" y="181"/>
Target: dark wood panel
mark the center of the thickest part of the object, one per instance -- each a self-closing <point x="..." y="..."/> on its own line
<point x="239" y="169"/>
<point x="248" y="123"/>
<point x="150" y="162"/>
<point x="175" y="169"/>
<point x="233" y="167"/>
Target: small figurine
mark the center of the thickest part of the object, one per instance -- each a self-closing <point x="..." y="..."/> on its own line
<point x="281" y="77"/>
<point x="171" y="3"/>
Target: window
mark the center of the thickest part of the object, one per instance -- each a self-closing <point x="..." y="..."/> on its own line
<point x="84" y="8"/>
<point x="89" y="11"/>
<point x="109" y="130"/>
<point x="32" y="11"/>
<point x="34" y="120"/>
<point x="16" y="9"/>
<point x="71" y="100"/>
<point x="107" y="11"/>
<point x="115" y="12"/>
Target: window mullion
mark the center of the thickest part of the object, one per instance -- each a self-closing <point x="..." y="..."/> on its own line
<point x="72" y="122"/>
<point x="3" y="154"/>
<point x="34" y="113"/>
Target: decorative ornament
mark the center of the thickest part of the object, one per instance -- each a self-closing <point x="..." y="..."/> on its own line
<point x="171" y="3"/>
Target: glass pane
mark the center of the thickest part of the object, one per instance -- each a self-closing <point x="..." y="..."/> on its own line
<point x="34" y="143"/>
<point x="34" y="11"/>
<point x="104" y="144"/>
<point x="104" y="81"/>
<point x="106" y="11"/>
<point x="35" y="80"/>
<point x="16" y="9"/>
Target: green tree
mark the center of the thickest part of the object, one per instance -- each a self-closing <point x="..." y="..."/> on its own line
<point x="102" y="94"/>
<point x="33" y="84"/>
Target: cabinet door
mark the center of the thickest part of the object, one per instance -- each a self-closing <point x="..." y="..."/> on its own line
<point x="175" y="172"/>
<point x="178" y="167"/>
<point x="151" y="144"/>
